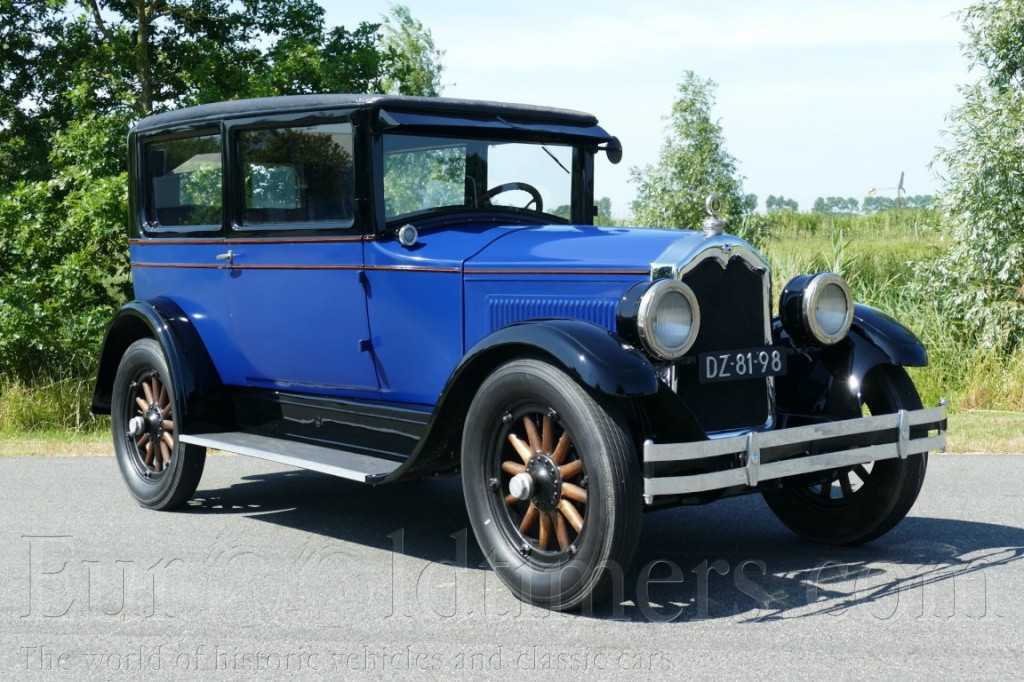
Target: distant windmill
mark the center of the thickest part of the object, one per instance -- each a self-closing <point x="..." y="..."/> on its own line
<point x="900" y="191"/>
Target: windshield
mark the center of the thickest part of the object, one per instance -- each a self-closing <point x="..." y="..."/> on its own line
<point x="423" y="174"/>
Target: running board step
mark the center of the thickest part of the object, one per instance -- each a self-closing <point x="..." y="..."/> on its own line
<point x="350" y="465"/>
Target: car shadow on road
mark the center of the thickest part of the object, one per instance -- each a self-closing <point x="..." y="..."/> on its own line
<point x="731" y="559"/>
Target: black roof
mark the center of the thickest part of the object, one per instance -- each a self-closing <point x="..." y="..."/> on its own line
<point x="439" y="105"/>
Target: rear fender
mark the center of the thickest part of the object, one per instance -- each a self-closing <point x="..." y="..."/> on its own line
<point x="193" y="374"/>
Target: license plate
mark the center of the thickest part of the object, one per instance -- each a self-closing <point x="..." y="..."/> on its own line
<point x="736" y="365"/>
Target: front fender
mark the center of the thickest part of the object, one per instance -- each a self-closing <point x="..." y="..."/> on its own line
<point x="898" y="343"/>
<point x="192" y="371"/>
<point x="826" y="383"/>
<point x="595" y="356"/>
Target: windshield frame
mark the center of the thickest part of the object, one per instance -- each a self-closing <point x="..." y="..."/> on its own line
<point x="581" y="209"/>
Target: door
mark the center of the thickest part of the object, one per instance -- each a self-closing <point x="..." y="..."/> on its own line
<point x="296" y="270"/>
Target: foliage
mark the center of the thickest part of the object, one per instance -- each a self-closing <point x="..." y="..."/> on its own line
<point x="74" y="75"/>
<point x="692" y="164"/>
<point x="62" y="271"/>
<point x="874" y="204"/>
<point x="65" y="62"/>
<point x="984" y="198"/>
<point x="414" y="62"/>
<point x="603" y="216"/>
<point x="835" y="205"/>
<point x="919" y="201"/>
<point x="779" y="203"/>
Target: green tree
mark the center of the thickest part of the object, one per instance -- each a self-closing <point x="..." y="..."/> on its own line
<point x="64" y="62"/>
<point x="28" y="57"/>
<point x="835" y="205"/>
<point x="877" y="204"/>
<point x="76" y="74"/>
<point x="926" y="201"/>
<point x="774" y="204"/>
<point x="408" y="48"/>
<point x="692" y="164"/>
<point x="984" y="195"/>
<point x="603" y="215"/>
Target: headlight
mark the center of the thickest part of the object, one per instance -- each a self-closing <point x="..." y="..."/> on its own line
<point x="817" y="307"/>
<point x="667" y="319"/>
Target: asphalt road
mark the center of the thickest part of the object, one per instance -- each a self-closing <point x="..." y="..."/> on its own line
<point x="276" y="573"/>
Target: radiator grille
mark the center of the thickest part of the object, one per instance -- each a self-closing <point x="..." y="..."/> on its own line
<point x="732" y="316"/>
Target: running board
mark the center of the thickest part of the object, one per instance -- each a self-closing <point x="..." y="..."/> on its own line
<point x="350" y="465"/>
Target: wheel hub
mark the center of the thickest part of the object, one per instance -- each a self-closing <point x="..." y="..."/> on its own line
<point x="154" y="421"/>
<point x="547" y="484"/>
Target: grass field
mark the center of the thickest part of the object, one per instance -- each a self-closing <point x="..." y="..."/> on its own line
<point x="877" y="255"/>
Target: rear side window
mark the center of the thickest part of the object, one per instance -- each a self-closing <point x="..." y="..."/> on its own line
<point x="298" y="175"/>
<point x="184" y="178"/>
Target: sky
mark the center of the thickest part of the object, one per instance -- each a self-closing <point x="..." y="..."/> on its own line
<point x="814" y="99"/>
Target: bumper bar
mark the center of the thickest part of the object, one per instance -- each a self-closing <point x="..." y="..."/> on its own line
<point x="778" y="454"/>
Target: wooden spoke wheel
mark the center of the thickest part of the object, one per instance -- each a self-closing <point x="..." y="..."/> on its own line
<point x="152" y="427"/>
<point x="857" y="504"/>
<point x="549" y="481"/>
<point x="160" y="471"/>
<point x="552" y="484"/>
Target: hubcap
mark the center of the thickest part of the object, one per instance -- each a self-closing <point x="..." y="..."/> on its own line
<point x="547" y="485"/>
<point x="521" y="486"/>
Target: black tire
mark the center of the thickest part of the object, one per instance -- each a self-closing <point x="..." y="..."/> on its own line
<point x="854" y="505"/>
<point x="578" y="446"/>
<point x="160" y="471"/>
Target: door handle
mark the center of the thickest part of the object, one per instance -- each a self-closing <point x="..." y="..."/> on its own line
<point x="229" y="257"/>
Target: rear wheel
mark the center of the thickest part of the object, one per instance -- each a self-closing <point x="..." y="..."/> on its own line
<point x="160" y="471"/>
<point x="552" y="485"/>
<point x="857" y="504"/>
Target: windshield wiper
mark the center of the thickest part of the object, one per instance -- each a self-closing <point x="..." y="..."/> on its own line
<point x="548" y="152"/>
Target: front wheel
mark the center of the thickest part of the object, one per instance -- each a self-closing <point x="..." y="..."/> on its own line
<point x="160" y="471"/>
<point x="853" y="505"/>
<point x="552" y="485"/>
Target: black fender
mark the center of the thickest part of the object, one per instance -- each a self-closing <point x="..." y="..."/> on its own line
<point x="193" y="373"/>
<point x="825" y="382"/>
<point x="898" y="343"/>
<point x="595" y="356"/>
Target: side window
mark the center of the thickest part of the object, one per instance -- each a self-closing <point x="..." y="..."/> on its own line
<point x="298" y="175"/>
<point x="183" y="182"/>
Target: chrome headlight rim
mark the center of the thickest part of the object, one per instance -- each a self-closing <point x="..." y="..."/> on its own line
<point x="648" y="306"/>
<point x="818" y="284"/>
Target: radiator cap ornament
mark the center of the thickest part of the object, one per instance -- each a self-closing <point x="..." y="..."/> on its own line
<point x="713" y="225"/>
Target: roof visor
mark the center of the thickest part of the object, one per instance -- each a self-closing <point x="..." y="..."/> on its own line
<point x="390" y="119"/>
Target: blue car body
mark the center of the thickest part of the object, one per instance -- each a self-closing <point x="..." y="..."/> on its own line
<point x="336" y="282"/>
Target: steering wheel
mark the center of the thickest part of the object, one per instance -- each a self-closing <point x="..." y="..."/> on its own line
<point x="511" y="186"/>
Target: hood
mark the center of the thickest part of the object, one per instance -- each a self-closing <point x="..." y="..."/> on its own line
<point x="570" y="249"/>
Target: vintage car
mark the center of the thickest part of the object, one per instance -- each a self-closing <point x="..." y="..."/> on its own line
<point x="385" y="288"/>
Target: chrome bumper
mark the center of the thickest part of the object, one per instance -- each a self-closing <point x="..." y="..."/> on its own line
<point x="757" y="457"/>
